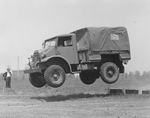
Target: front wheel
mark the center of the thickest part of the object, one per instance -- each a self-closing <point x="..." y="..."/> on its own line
<point x="37" y="80"/>
<point x="109" y="72"/>
<point x="55" y="76"/>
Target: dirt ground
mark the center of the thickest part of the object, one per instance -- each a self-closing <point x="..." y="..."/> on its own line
<point x="75" y="106"/>
<point x="73" y="100"/>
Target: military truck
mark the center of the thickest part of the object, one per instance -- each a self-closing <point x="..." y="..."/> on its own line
<point x="93" y="52"/>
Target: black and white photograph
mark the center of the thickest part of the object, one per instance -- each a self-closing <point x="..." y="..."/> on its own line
<point x="74" y="59"/>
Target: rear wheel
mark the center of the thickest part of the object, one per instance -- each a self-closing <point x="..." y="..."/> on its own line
<point x="55" y="76"/>
<point x="37" y="80"/>
<point x="109" y="72"/>
<point x="89" y="76"/>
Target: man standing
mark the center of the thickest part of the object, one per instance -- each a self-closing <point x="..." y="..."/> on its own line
<point x="7" y="77"/>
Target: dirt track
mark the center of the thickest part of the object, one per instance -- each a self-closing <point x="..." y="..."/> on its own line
<point x="75" y="106"/>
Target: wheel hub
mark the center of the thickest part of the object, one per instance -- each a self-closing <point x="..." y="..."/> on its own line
<point x="56" y="77"/>
<point x="110" y="72"/>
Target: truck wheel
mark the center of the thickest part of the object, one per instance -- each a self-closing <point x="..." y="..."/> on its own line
<point x="109" y="72"/>
<point x="88" y="77"/>
<point x="55" y="76"/>
<point x="37" y="80"/>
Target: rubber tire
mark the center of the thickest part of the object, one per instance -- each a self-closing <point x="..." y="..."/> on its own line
<point x="49" y="78"/>
<point x="88" y="77"/>
<point x="37" y="80"/>
<point x="104" y="74"/>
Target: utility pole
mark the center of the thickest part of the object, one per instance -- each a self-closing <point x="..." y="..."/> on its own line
<point x="18" y="67"/>
<point x="18" y="63"/>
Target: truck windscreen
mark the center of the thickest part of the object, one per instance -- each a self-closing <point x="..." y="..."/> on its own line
<point x="49" y="44"/>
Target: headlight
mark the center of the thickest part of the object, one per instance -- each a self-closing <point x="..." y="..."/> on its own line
<point x="43" y="55"/>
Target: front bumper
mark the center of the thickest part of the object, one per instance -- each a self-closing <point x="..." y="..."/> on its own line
<point x="35" y="70"/>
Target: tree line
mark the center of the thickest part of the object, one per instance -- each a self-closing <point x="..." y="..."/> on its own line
<point x="137" y="75"/>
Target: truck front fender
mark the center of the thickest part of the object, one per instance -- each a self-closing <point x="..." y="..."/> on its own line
<point x="58" y="60"/>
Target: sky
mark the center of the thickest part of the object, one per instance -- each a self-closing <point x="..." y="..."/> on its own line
<point x="25" y="24"/>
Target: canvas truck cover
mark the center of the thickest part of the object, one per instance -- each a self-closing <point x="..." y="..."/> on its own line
<point x="102" y="39"/>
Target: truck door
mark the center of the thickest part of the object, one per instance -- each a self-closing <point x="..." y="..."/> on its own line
<point x="67" y="48"/>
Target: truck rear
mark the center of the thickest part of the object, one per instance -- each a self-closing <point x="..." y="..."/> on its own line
<point x="92" y="52"/>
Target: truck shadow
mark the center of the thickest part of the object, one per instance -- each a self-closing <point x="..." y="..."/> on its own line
<point x="58" y="98"/>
